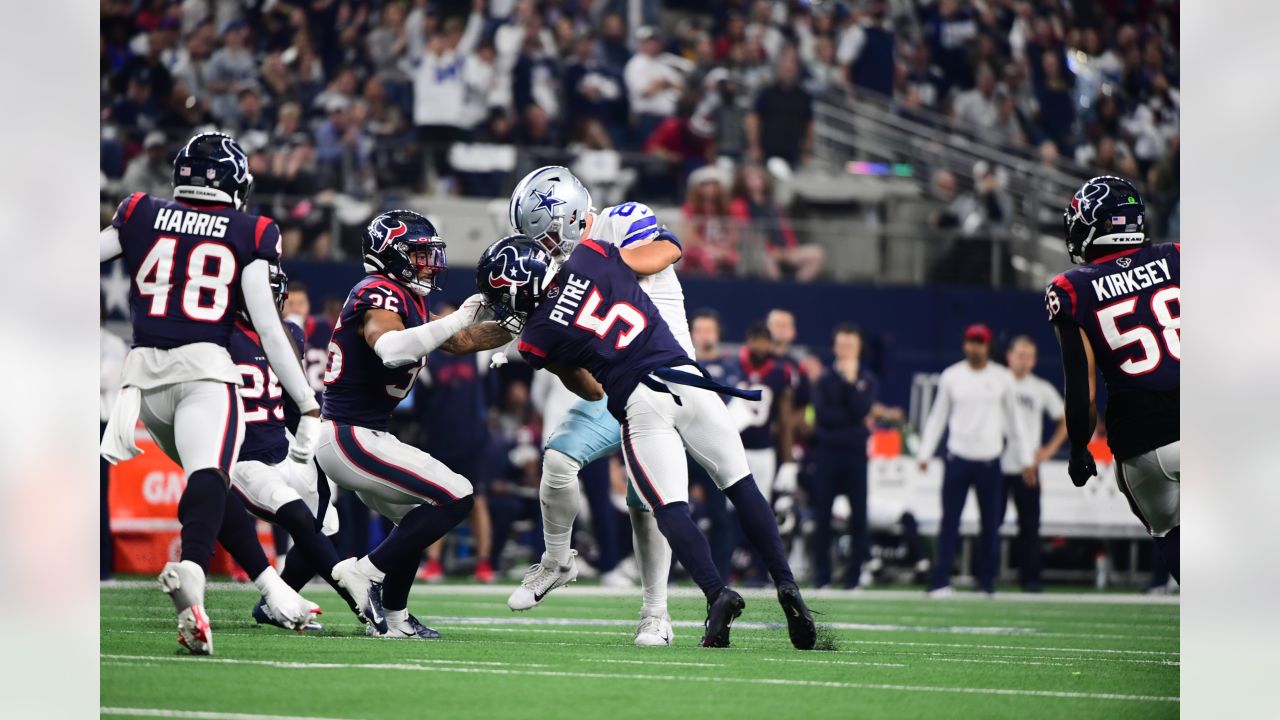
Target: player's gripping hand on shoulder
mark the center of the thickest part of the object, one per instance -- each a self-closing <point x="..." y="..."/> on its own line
<point x="473" y="311"/>
<point x="1081" y="466"/>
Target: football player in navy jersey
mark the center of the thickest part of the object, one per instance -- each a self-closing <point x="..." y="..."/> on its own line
<point x="379" y="344"/>
<point x="279" y="490"/>
<point x="593" y="326"/>
<point x="1120" y="311"/>
<point x="192" y="260"/>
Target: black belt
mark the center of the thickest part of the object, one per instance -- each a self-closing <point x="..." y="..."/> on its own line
<point x="702" y="380"/>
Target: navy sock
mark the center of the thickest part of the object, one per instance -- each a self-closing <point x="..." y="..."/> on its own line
<point x="1169" y="551"/>
<point x="689" y="546"/>
<point x="239" y="535"/>
<point x="396" y="585"/>
<point x="298" y="569"/>
<point x="761" y="527"/>
<point x="200" y="511"/>
<point x="297" y="519"/>
<point x="420" y="527"/>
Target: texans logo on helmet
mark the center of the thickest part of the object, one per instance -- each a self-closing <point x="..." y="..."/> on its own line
<point x="239" y="161"/>
<point x="512" y="272"/>
<point x="1086" y="201"/>
<point x="389" y="236"/>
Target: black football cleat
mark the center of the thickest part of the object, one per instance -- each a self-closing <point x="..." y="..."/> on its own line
<point x="804" y="634"/>
<point x="421" y="630"/>
<point x="721" y="613"/>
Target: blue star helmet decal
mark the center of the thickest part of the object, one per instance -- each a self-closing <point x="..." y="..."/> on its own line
<point x="547" y="200"/>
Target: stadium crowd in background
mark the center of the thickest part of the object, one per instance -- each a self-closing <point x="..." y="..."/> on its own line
<point x="343" y="102"/>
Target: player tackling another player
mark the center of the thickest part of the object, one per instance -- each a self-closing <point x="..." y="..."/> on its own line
<point x="1120" y="312"/>
<point x="593" y="326"/>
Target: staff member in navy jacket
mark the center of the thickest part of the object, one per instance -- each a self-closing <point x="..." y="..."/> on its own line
<point x="844" y="400"/>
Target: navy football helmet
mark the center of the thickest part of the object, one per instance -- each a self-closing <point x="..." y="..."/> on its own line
<point x="1105" y="216"/>
<point x="213" y="168"/>
<point x="279" y="290"/>
<point x="404" y="246"/>
<point x="512" y="275"/>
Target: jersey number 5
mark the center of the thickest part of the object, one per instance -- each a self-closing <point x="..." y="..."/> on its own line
<point x="205" y="294"/>
<point x="601" y="324"/>
<point x="1170" y="330"/>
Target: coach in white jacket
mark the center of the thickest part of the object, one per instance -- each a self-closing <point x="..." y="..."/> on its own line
<point x="976" y="406"/>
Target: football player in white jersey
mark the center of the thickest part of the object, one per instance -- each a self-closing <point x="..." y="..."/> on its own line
<point x="551" y="206"/>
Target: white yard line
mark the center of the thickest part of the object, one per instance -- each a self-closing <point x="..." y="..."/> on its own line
<point x="834" y="662"/>
<point x="670" y="663"/>
<point x="749" y="593"/>
<point x="201" y="714"/>
<point x="784" y="682"/>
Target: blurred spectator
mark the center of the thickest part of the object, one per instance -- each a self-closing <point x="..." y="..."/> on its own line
<point x="190" y="61"/>
<point x="753" y="204"/>
<point x="152" y="171"/>
<point x="868" y="48"/>
<point x="112" y="351"/>
<point x="976" y="407"/>
<point x="439" y="90"/>
<point x="844" y="399"/>
<point x="781" y="122"/>
<point x="230" y="69"/>
<point x="1154" y="121"/>
<point x="653" y="83"/>
<point x="684" y="143"/>
<point x="710" y="237"/>
<point x="1035" y="399"/>
<point x="137" y="108"/>
<point x="978" y="106"/>
<point x="724" y="105"/>
<point x="595" y="90"/>
<point x="597" y="164"/>
<point x="704" y="331"/>
<point x="925" y="78"/>
<point x="1057" y="106"/>
<point x="948" y="28"/>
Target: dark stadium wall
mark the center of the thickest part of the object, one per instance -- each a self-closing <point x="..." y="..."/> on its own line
<point x="907" y="330"/>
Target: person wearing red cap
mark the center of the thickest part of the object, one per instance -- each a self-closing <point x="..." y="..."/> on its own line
<point x="976" y="407"/>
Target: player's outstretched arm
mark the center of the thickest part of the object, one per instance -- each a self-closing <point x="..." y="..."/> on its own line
<point x="579" y="381"/>
<point x="485" y="336"/>
<point x="397" y="346"/>
<point x="282" y="353"/>
<point x="1080" y="410"/>
<point x="109" y="244"/>
<point x="654" y="256"/>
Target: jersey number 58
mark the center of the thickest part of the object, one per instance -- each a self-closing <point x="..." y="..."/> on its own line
<point x="1170" y="330"/>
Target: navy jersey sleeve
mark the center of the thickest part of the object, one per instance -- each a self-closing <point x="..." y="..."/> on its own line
<point x="1060" y="300"/>
<point x="533" y="351"/>
<point x="266" y="239"/>
<point x="126" y="209"/>
<point x="382" y="295"/>
<point x="299" y="338"/>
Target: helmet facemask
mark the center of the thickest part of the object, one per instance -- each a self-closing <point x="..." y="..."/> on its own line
<point x="425" y="265"/>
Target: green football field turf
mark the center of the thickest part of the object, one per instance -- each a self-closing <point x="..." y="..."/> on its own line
<point x="891" y="655"/>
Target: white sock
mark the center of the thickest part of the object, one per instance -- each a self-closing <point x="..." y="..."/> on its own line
<point x="396" y="617"/>
<point x="369" y="569"/>
<point x="268" y="581"/>
<point x="653" y="556"/>
<point x="558" y="494"/>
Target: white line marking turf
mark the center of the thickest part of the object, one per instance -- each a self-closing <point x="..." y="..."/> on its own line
<point x="834" y="662"/>
<point x="200" y="714"/>
<point x="649" y="662"/>
<point x="748" y="593"/>
<point x="1017" y="692"/>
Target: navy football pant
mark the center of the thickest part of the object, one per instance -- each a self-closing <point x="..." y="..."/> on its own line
<point x="988" y="484"/>
<point x="1027" y="501"/>
<point x="839" y="472"/>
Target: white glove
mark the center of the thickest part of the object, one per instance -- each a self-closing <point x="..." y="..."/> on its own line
<point x="305" y="439"/>
<point x="498" y="360"/>
<point x="787" y="479"/>
<point x="475" y="310"/>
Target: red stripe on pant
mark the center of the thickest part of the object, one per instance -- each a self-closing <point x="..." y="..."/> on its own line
<point x="230" y="432"/>
<point x="355" y="453"/>
<point x="646" y="486"/>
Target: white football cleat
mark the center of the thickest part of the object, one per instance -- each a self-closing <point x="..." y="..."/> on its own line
<point x="406" y="628"/>
<point x="184" y="583"/>
<point x="366" y="593"/>
<point x="288" y="608"/>
<point x="654" y="631"/>
<point x="945" y="591"/>
<point x="541" y="579"/>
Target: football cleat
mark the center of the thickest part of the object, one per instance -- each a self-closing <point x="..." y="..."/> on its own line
<point x="727" y="607"/>
<point x="407" y="629"/>
<point x="262" y="616"/>
<point x="184" y="583"/>
<point x="540" y="580"/>
<point x="654" y="631"/>
<point x="289" y="609"/>
<point x="945" y="591"/>
<point x="484" y="572"/>
<point x="804" y="634"/>
<point x="366" y="592"/>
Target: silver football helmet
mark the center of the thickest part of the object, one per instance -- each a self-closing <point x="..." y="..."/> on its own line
<point x="551" y="206"/>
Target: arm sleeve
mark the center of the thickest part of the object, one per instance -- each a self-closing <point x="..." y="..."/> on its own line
<point x="1075" y="367"/>
<point x="109" y="247"/>
<point x="279" y="346"/>
<point x="266" y="239"/>
<point x="937" y="421"/>
<point x="403" y="347"/>
<point x="471" y="35"/>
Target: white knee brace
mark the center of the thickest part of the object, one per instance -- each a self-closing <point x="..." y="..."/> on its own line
<point x="559" y="470"/>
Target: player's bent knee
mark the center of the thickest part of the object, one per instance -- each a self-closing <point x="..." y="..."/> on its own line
<point x="559" y="470"/>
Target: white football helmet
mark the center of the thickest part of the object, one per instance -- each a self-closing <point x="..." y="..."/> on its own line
<point x="551" y="206"/>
